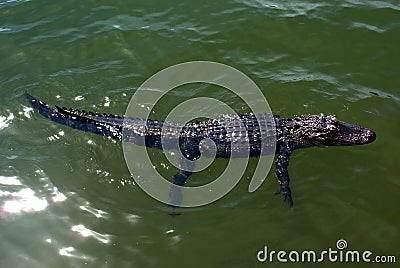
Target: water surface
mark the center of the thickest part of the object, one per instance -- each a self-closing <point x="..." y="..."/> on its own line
<point x="67" y="198"/>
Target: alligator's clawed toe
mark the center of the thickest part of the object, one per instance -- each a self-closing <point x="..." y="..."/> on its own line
<point x="287" y="194"/>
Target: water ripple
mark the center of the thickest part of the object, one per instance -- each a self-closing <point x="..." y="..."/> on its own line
<point x="94" y="68"/>
<point x="71" y="253"/>
<point x="298" y="73"/>
<point x="23" y="27"/>
<point x="372" y="4"/>
<point x="86" y="232"/>
<point x="98" y="213"/>
<point x="368" y="27"/>
<point x="11" y="3"/>
<point x="286" y="9"/>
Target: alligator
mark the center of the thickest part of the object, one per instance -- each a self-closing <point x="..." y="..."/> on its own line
<point x="300" y="132"/>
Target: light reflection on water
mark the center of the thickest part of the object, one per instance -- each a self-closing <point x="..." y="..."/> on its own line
<point x="86" y="232"/>
<point x="6" y="120"/>
<point x="18" y="198"/>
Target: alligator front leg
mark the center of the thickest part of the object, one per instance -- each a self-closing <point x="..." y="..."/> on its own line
<point x="282" y="173"/>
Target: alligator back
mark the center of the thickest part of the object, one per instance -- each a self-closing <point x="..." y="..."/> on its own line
<point x="241" y="134"/>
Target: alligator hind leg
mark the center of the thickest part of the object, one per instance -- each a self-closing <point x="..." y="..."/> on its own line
<point x="282" y="173"/>
<point x="179" y="179"/>
<point x="175" y="193"/>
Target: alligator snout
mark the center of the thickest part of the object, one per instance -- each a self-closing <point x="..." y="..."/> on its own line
<point x="369" y="135"/>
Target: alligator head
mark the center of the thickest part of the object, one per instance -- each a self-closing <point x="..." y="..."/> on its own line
<point x="320" y="130"/>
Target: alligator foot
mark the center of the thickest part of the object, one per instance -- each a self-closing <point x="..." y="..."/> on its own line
<point x="287" y="194"/>
<point x="174" y="212"/>
<point x="175" y="198"/>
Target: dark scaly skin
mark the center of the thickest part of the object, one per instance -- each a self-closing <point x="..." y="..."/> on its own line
<point x="291" y="134"/>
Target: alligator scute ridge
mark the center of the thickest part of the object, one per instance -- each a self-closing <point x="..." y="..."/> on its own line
<point x="291" y="134"/>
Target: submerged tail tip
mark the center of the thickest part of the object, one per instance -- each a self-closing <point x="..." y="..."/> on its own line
<point x="29" y="97"/>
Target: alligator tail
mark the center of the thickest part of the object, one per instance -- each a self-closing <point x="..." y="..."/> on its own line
<point x="104" y="125"/>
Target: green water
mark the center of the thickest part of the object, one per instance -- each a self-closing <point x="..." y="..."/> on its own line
<point x="67" y="198"/>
